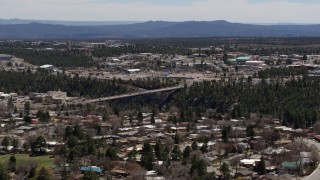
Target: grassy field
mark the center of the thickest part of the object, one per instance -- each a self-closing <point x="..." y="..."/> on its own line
<point x="43" y="161"/>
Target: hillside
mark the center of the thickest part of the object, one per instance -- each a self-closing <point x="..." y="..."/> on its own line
<point x="155" y="29"/>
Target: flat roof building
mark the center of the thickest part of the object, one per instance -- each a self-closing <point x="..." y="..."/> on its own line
<point x="47" y="66"/>
<point x="243" y="59"/>
<point x="130" y="71"/>
<point x="5" y="57"/>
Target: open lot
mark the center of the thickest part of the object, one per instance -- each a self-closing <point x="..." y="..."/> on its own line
<point x="43" y="161"/>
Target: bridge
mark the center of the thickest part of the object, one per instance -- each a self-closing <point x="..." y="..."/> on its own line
<point x="122" y="96"/>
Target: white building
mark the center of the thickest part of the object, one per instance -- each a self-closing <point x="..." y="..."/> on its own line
<point x="255" y="63"/>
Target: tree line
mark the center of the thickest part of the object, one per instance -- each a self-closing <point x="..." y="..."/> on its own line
<point x="295" y="101"/>
<point x="56" y="58"/>
<point x="43" y="81"/>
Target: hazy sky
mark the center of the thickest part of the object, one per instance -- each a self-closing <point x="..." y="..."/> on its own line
<point x="255" y="11"/>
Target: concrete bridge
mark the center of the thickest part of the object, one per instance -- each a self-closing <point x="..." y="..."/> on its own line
<point x="122" y="96"/>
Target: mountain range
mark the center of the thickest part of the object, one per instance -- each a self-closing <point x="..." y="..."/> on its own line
<point x="153" y="29"/>
<point x="66" y="23"/>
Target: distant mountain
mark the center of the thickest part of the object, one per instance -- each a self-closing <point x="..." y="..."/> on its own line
<point x="66" y="23"/>
<point x="155" y="29"/>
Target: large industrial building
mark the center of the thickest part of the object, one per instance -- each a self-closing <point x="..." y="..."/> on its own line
<point x="5" y="57"/>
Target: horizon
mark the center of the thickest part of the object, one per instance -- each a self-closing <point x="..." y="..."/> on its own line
<point x="239" y="11"/>
<point x="56" y="22"/>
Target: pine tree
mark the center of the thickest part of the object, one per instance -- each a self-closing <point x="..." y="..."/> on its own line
<point x="176" y="153"/>
<point x="152" y="119"/>
<point x="140" y="117"/>
<point x="186" y="152"/>
<point x="12" y="164"/>
<point x="176" y="138"/>
<point x="43" y="174"/>
<point x="147" y="156"/>
<point x="204" y="148"/>
<point x="27" y="107"/>
<point x="90" y="175"/>
<point x="226" y="130"/>
<point x="159" y="151"/>
<point x="5" y="143"/>
<point x="3" y="173"/>
<point x="10" y="104"/>
<point x="225" y="170"/>
<point x="199" y="167"/>
<point x="261" y="167"/>
<point x="194" y="145"/>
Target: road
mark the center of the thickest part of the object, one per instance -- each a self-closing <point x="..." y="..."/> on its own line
<point x="316" y="173"/>
<point x="127" y="95"/>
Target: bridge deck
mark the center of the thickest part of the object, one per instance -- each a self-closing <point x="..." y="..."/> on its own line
<point x="127" y="95"/>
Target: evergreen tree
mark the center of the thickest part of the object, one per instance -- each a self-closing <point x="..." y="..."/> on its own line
<point x="305" y="57"/>
<point x="182" y="116"/>
<point x="5" y="143"/>
<point x="15" y="143"/>
<point x="204" y="148"/>
<point x="152" y="119"/>
<point x="68" y="132"/>
<point x="167" y="158"/>
<point x="112" y="153"/>
<point x="225" y="170"/>
<point x="27" y="107"/>
<point x="159" y="151"/>
<point x="27" y="119"/>
<point x="140" y="117"/>
<point x="15" y="110"/>
<point x="72" y="141"/>
<point x="199" y="167"/>
<point x="147" y="156"/>
<point x="261" y="167"/>
<point x="43" y="174"/>
<point x="78" y="132"/>
<point x="4" y="175"/>
<point x="10" y="104"/>
<point x="176" y="138"/>
<point x="43" y="116"/>
<point x="90" y="175"/>
<point x="176" y="153"/>
<point x="194" y="145"/>
<point x="38" y="146"/>
<point x="12" y="164"/>
<point x="186" y="152"/>
<point x="132" y="154"/>
<point x="226" y="130"/>
<point x="250" y="131"/>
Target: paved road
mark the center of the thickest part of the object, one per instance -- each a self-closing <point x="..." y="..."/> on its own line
<point x="316" y="174"/>
<point x="128" y="95"/>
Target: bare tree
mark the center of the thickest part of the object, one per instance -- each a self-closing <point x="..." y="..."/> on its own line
<point x="259" y="146"/>
<point x="271" y="135"/>
<point x="315" y="154"/>
<point x="137" y="172"/>
<point x="316" y="127"/>
<point x="210" y="113"/>
<point x="220" y="150"/>
<point x="177" y="171"/>
<point x="236" y="134"/>
<point x="169" y="141"/>
<point x="141" y="131"/>
<point x="235" y="163"/>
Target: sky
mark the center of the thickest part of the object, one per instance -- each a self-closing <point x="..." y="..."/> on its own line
<point x="243" y="11"/>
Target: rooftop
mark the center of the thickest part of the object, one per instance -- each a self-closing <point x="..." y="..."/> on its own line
<point x="91" y="168"/>
<point x="46" y="66"/>
<point x="290" y="164"/>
